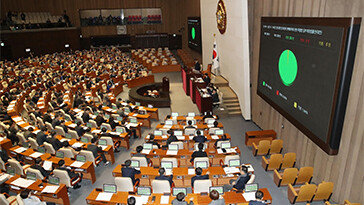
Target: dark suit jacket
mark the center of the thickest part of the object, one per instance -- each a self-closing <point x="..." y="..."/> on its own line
<point x="199" y="139"/>
<point x="55" y="143"/>
<point x="129" y="172"/>
<point x="113" y="124"/>
<point x="85" y="117"/>
<point x="168" y="178"/>
<point x="256" y="203"/>
<point x="4" y="156"/>
<point x="171" y="138"/>
<point x="41" y="138"/>
<point x="99" y="120"/>
<point x="198" y="177"/>
<point x="241" y="181"/>
<point x="198" y="154"/>
<point x="41" y="169"/>
<point x="47" y="118"/>
<point x="80" y="131"/>
<point x="94" y="149"/>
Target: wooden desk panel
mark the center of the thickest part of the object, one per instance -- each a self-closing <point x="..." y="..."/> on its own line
<point x="256" y="136"/>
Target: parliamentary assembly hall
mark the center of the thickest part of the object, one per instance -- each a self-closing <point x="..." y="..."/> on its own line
<point x="182" y="102"/>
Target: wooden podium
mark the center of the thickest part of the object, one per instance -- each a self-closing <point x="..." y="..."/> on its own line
<point x="256" y="136"/>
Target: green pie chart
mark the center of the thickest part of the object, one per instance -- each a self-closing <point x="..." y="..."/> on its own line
<point x="287" y="67"/>
<point x="193" y="33"/>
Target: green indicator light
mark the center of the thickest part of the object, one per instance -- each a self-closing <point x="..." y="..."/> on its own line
<point x="263" y="83"/>
<point x="288" y="67"/>
<point x="193" y="33"/>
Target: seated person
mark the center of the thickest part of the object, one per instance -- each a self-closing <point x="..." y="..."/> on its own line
<point x="216" y="123"/>
<point x="208" y="115"/>
<point x="215" y="197"/>
<point x="199" y="153"/>
<point x="162" y="176"/>
<point x="198" y="176"/>
<point x="73" y="175"/>
<point x="206" y="78"/>
<point x="96" y="149"/>
<point x="151" y="140"/>
<point x="66" y="145"/>
<point x="189" y="124"/>
<point x="259" y="199"/>
<point x="38" y="166"/>
<point x="239" y="183"/>
<point x="29" y="199"/>
<point x="180" y="200"/>
<point x="138" y="153"/>
<point x="100" y="119"/>
<point x="56" y="144"/>
<point x="104" y="132"/>
<point x="79" y="129"/>
<point x="215" y="96"/>
<point x="4" y="155"/>
<point x="223" y="138"/>
<point x="199" y="138"/>
<point x="112" y="122"/>
<point x="41" y="137"/>
<point x="130" y="172"/>
<point x="171" y="138"/>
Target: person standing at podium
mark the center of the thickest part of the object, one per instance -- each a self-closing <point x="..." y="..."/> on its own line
<point x="197" y="66"/>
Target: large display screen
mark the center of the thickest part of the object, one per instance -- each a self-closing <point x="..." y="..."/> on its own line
<point x="300" y="70"/>
<point x="194" y="33"/>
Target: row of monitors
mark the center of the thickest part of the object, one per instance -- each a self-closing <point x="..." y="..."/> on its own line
<point x="171" y="122"/>
<point x="32" y="176"/>
<point x="180" y="132"/>
<point x="174" y="147"/>
<point x="111" y="188"/>
<point x="190" y="114"/>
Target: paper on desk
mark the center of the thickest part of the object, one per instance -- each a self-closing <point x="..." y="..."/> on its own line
<point x="17" y="119"/>
<point x="135" y="115"/>
<point x="77" y="164"/>
<point x="172" y="152"/>
<point x="4" y="177"/>
<point x="73" y="125"/>
<point x="145" y="151"/>
<point x="109" y="110"/>
<point x="20" y="150"/>
<point x="191" y="137"/>
<point x="249" y="196"/>
<point x="96" y="131"/>
<point x="1" y="139"/>
<point x="36" y="131"/>
<point x="47" y="165"/>
<point x="231" y="170"/>
<point x="104" y="196"/>
<point x="140" y="200"/>
<point x="180" y="137"/>
<point x="50" y="189"/>
<point x="77" y="110"/>
<point x="164" y="199"/>
<point x="133" y="124"/>
<point x="36" y="154"/>
<point x="164" y="136"/>
<point x="103" y="147"/>
<point x="24" y="183"/>
<point x="215" y="137"/>
<point x="29" y="126"/>
<point x="167" y="127"/>
<point x="191" y="171"/>
<point x="65" y="139"/>
<point x="229" y="150"/>
<point x="115" y="133"/>
<point x="77" y="144"/>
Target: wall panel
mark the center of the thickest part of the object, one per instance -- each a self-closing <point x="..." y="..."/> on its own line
<point x="346" y="168"/>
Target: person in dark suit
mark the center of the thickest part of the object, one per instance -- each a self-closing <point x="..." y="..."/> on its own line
<point x="95" y="150"/>
<point x="138" y="153"/>
<point x="56" y="121"/>
<point x="215" y="197"/>
<point x="199" y="138"/>
<point x="73" y="175"/>
<point x="198" y="176"/>
<point x="162" y="176"/>
<point x="206" y="78"/>
<point x="208" y="115"/>
<point x="215" y="96"/>
<point x="189" y="124"/>
<point x="151" y="140"/>
<point x="128" y="171"/>
<point x="54" y="141"/>
<point x="86" y="116"/>
<point x="4" y="155"/>
<point x="197" y="65"/>
<point x="112" y="123"/>
<point x="240" y="182"/>
<point x="171" y="138"/>
<point x="223" y="138"/>
<point x="199" y="153"/>
<point x="80" y="131"/>
<point x="100" y="119"/>
<point x="41" y="136"/>
<point x="38" y="166"/>
<point x="259" y="196"/>
<point x="180" y="200"/>
<point x="47" y="118"/>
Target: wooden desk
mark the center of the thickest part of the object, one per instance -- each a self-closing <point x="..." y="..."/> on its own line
<point x="59" y="197"/>
<point x="204" y="103"/>
<point x="87" y="168"/>
<point x="256" y="136"/>
<point x="6" y="145"/>
<point x="117" y="198"/>
<point x="153" y="112"/>
<point x="193" y="87"/>
<point x="199" y="126"/>
<point x="140" y="81"/>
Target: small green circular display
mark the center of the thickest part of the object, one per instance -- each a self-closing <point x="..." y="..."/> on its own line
<point x="287" y="67"/>
<point x="193" y="33"/>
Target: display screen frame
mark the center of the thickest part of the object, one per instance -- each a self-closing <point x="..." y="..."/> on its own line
<point x="197" y="48"/>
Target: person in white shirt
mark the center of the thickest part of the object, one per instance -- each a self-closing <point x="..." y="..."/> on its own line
<point x="29" y="199"/>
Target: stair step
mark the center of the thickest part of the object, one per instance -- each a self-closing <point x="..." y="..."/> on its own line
<point x="235" y="113"/>
<point x="231" y="104"/>
<point x="231" y="109"/>
<point x="229" y="98"/>
<point x="230" y="101"/>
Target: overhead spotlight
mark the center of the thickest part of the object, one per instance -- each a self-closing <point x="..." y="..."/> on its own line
<point x="174" y="35"/>
<point x="2" y="44"/>
<point x="27" y="50"/>
<point x="81" y="36"/>
<point x="66" y="45"/>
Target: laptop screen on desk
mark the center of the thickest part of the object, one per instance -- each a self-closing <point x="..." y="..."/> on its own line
<point x="174" y="114"/>
<point x="158" y="132"/>
<point x="109" y="188"/>
<point x="31" y="176"/>
<point x="53" y="180"/>
<point x="144" y="191"/>
<point x="81" y="158"/>
<point x="219" y="189"/>
<point x="210" y="121"/>
<point x="84" y="139"/>
<point x="234" y="163"/>
<point x="191" y="114"/>
<point x="178" y="133"/>
<point x="135" y="164"/>
<point x="137" y="103"/>
<point x="10" y="171"/>
<point x="173" y="147"/>
<point x="41" y="149"/>
<point x="148" y="146"/>
<point x="169" y="122"/>
<point x="219" y="132"/>
<point x="133" y="120"/>
<point x="251" y="187"/>
<point x="59" y="154"/>
<point x="177" y="190"/>
<point x="201" y="164"/>
<point x="120" y="118"/>
<point x="102" y="142"/>
<point x="225" y="145"/>
<point x="89" y="125"/>
<point x="68" y="136"/>
<point x="167" y="165"/>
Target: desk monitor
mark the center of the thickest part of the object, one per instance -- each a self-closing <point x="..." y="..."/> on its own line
<point x="102" y="142"/>
<point x="107" y="116"/>
<point x="191" y="114"/>
<point x="53" y="180"/>
<point x="219" y="189"/>
<point x="177" y="190"/>
<point x="89" y="125"/>
<point x="77" y="120"/>
<point x="251" y="187"/>
<point x="120" y="119"/>
<point x="219" y="132"/>
<point x="114" y="107"/>
<point x="178" y="133"/>
<point x="137" y="103"/>
<point x="135" y="164"/>
<point x="41" y="149"/>
<point x="148" y="146"/>
<point x="173" y="147"/>
<point x="119" y="129"/>
<point x="25" y="144"/>
<point x="126" y="110"/>
<point x="144" y="191"/>
<point x="60" y="154"/>
<point x="31" y="176"/>
<point x="84" y="140"/>
<point x="150" y="106"/>
<point x="167" y="165"/>
<point x="234" y="163"/>
<point x="201" y="164"/>
<point x="168" y="122"/>
<point x="174" y="114"/>
<point x="68" y="136"/>
<point x="81" y="158"/>
<point x="109" y="188"/>
<point x="210" y="121"/>
<point x="158" y="133"/>
<point x="225" y="145"/>
<point x="133" y="120"/>
<point x="10" y="170"/>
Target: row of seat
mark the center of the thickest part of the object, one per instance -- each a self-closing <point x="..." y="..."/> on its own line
<point x="266" y="147"/>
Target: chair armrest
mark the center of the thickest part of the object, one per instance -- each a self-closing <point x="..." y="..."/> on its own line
<point x="254" y="149"/>
<point x="277" y="178"/>
<point x="292" y="194"/>
<point x="265" y="163"/>
<point x="136" y="185"/>
<point x="222" y="162"/>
